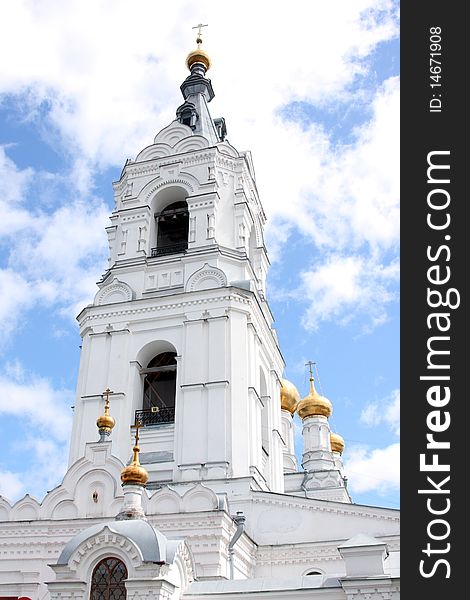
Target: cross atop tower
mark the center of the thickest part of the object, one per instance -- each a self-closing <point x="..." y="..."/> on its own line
<point x="199" y="27"/>
<point x="310" y="364"/>
<point x="105" y="395"/>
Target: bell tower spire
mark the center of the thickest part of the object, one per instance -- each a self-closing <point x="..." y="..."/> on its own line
<point x="180" y="328"/>
<point x="197" y="93"/>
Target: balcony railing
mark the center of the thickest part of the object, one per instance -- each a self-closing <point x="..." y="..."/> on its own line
<point x="155" y="415"/>
<point x="171" y="249"/>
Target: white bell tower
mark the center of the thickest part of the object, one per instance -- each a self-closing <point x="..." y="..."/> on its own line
<point x="180" y="330"/>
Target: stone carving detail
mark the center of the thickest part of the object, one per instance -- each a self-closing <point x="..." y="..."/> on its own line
<point x="206" y="278"/>
<point x="116" y="291"/>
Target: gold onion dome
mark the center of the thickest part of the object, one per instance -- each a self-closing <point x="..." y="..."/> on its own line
<point x="106" y="422"/>
<point x="134" y="473"/>
<point x="290" y="397"/>
<point x="337" y="443"/>
<point x="314" y="405"/>
<point x="198" y="56"/>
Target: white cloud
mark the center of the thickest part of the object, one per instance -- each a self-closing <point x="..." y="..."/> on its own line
<point x="33" y="398"/>
<point x="13" y="184"/>
<point x="386" y="411"/>
<point x="54" y="255"/>
<point x="43" y="469"/>
<point x="69" y="252"/>
<point x="100" y="99"/>
<point x="42" y="417"/>
<point x="345" y="200"/>
<point x="12" y="485"/>
<point x="376" y="470"/>
<point x="344" y="287"/>
<point x="99" y="81"/>
<point x="15" y="297"/>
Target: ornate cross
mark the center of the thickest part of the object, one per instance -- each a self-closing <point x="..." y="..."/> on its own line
<point x="310" y="364"/>
<point x="199" y="26"/>
<point x="106" y="394"/>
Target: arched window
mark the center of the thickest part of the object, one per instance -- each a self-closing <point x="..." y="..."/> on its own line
<point x="107" y="582"/>
<point x="159" y="390"/>
<point x="187" y="114"/>
<point x="172" y="229"/>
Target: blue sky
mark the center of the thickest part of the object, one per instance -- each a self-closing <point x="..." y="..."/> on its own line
<point x="312" y="92"/>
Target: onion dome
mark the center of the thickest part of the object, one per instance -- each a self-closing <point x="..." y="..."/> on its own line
<point x="337" y="443"/>
<point x="290" y="397"/>
<point x="105" y="422"/>
<point x="134" y="474"/>
<point x="314" y="405"/>
<point x="198" y="55"/>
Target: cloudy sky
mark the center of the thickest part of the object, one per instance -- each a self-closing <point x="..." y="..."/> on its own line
<point x="312" y="89"/>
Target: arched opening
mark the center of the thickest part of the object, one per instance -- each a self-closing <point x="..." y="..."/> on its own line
<point x="187" y="114"/>
<point x="158" y="405"/>
<point x="172" y="229"/>
<point x="107" y="582"/>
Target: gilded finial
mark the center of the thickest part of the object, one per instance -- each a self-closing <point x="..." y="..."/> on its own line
<point x="310" y="364"/>
<point x="134" y="473"/>
<point x="199" y="56"/>
<point x="314" y="404"/>
<point x="106" y="422"/>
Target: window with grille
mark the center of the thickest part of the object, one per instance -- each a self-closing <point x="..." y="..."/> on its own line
<point x="158" y="404"/>
<point x="107" y="582"/>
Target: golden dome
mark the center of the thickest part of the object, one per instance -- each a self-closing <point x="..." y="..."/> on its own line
<point x="106" y="422"/>
<point x="198" y="56"/>
<point x="314" y="404"/>
<point x="336" y="442"/>
<point x="134" y="473"/>
<point x="289" y="396"/>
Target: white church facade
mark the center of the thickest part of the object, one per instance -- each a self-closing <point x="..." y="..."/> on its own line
<point x="180" y="361"/>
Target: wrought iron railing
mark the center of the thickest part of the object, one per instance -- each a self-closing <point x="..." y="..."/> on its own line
<point x="171" y="249"/>
<point x="155" y="415"/>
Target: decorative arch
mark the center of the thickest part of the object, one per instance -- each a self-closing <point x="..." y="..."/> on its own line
<point x="206" y="278"/>
<point x="116" y="291"/>
<point x="26" y="509"/>
<point x="154" y="151"/>
<point x="145" y="552"/>
<point x="227" y="148"/>
<point x="188" y="182"/>
<point x="165" y="501"/>
<point x="195" y="142"/>
<point x="167" y="197"/>
<point x="198" y="499"/>
<point x="151" y="349"/>
<point x="172" y="134"/>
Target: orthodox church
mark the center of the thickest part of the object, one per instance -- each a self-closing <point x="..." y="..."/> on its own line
<point x="182" y="479"/>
